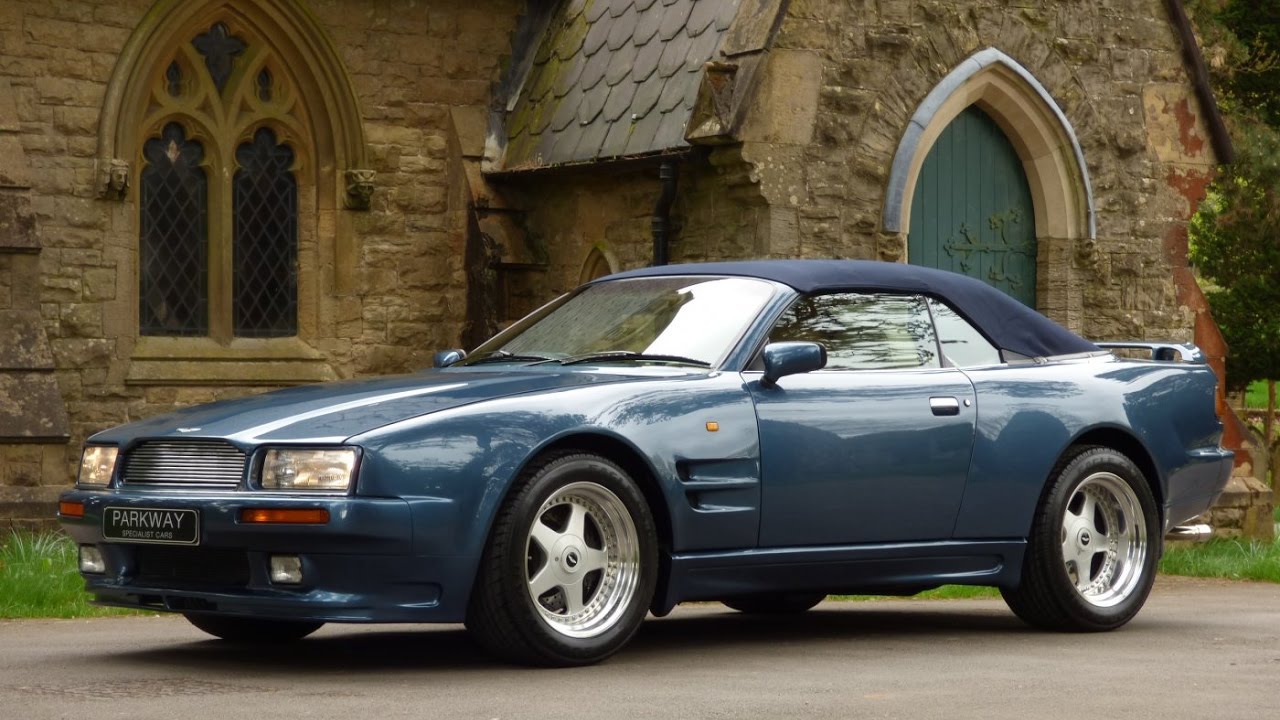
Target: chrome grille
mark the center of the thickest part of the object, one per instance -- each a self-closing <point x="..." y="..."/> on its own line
<point x="195" y="464"/>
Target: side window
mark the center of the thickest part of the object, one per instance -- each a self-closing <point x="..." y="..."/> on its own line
<point x="863" y="331"/>
<point x="962" y="344"/>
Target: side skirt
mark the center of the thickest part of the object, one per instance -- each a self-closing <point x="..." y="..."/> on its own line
<point x="888" y="569"/>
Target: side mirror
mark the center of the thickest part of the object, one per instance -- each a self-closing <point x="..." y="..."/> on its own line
<point x="445" y="358"/>
<point x="791" y="358"/>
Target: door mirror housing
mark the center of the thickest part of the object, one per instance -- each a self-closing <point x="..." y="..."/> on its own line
<point x="445" y="358"/>
<point x="791" y="358"/>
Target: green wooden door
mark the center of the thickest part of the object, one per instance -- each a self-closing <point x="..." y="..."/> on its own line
<point x="971" y="212"/>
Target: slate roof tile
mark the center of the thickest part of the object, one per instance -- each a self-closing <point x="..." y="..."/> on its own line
<point x="674" y="18"/>
<point x="593" y="71"/>
<point x="589" y="142"/>
<point x="725" y="17"/>
<point x="615" y="142"/>
<point x="620" y="64"/>
<point x="642" y="133"/>
<point x="618" y="106"/>
<point x="671" y="130"/>
<point x="647" y="24"/>
<point x="701" y="50"/>
<point x="674" y="53"/>
<point x="596" y="10"/>
<point x="596" y="37"/>
<point x="618" y="7"/>
<point x="646" y="62"/>
<point x="567" y="111"/>
<point x="613" y="78"/>
<point x="703" y="14"/>
<point x="646" y="97"/>
<point x="623" y="29"/>
<point x="570" y="76"/>
<point x="592" y="103"/>
<point x="672" y="97"/>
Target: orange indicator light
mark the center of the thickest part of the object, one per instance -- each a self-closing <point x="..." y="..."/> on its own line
<point x="713" y="426"/>
<point x="272" y="516"/>
<point x="71" y="509"/>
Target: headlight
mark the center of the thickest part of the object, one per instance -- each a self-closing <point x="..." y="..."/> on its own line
<point x="323" y="470"/>
<point x="97" y="462"/>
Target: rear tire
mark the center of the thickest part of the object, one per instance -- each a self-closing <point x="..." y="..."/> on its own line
<point x="775" y="603"/>
<point x="1091" y="558"/>
<point x="252" y="630"/>
<point x="570" y="567"/>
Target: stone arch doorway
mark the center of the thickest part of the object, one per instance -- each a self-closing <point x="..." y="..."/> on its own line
<point x="971" y="210"/>
<point x="1045" y="146"/>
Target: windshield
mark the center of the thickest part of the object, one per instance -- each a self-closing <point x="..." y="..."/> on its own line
<point x="660" y="319"/>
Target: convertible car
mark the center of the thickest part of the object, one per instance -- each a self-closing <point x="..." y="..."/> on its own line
<point x="758" y="433"/>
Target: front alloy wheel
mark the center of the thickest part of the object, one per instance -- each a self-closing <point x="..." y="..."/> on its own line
<point x="570" y="567"/>
<point x="583" y="560"/>
<point x="1091" y="557"/>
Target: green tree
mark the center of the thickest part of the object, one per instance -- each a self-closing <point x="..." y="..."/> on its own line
<point x="1251" y="77"/>
<point x="1235" y="244"/>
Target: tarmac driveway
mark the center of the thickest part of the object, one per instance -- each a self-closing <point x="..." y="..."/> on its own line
<point x="1200" y="649"/>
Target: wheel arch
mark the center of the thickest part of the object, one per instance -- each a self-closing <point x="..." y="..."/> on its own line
<point x="1130" y="446"/>
<point x="629" y="459"/>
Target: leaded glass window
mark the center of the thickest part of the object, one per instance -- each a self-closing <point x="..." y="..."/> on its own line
<point x="266" y="239"/>
<point x="173" y="252"/>
<point x="218" y="251"/>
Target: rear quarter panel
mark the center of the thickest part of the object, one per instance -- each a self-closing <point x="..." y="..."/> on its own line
<point x="1029" y="415"/>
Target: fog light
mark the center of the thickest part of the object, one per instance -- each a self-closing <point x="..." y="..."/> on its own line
<point x="286" y="569"/>
<point x="91" y="560"/>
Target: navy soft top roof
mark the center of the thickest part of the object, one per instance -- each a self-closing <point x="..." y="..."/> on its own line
<point x="1008" y="323"/>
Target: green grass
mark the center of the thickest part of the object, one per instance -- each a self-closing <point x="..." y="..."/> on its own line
<point x="38" y="578"/>
<point x="1231" y="559"/>
<point x="1255" y="396"/>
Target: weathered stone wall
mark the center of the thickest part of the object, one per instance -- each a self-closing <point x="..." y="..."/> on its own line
<point x="409" y="63"/>
<point x="842" y="82"/>
<point x="1115" y="71"/>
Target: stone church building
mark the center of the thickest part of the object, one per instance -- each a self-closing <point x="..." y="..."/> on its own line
<point x="207" y="198"/>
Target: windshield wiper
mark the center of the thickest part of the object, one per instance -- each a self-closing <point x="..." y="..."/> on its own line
<point x="614" y="355"/>
<point x="504" y="356"/>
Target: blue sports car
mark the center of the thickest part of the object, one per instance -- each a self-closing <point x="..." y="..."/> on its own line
<point x="758" y="433"/>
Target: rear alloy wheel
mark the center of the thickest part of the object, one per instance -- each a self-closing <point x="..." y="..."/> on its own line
<point x="252" y="630"/>
<point x="1091" y="559"/>
<point x="775" y="603"/>
<point x="570" y="568"/>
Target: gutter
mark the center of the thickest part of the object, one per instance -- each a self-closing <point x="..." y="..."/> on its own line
<point x="1194" y="59"/>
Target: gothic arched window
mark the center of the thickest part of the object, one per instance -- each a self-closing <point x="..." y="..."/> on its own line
<point x="218" y="245"/>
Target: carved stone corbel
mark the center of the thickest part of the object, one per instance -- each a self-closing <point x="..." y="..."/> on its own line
<point x="113" y="178"/>
<point x="359" y="188"/>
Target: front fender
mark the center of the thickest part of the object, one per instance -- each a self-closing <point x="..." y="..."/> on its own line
<point x="696" y="435"/>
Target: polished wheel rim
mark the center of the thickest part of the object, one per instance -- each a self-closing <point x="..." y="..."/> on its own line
<point x="582" y="560"/>
<point x="1104" y="539"/>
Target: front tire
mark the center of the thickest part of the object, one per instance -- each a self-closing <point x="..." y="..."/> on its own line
<point x="252" y="630"/>
<point x="570" y="567"/>
<point x="1091" y="558"/>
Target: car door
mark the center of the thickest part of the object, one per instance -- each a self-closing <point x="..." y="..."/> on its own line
<point x="876" y="446"/>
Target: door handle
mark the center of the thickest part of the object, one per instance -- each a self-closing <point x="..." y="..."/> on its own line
<point x="944" y="405"/>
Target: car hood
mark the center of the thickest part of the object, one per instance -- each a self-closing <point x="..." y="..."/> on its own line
<point x="332" y="412"/>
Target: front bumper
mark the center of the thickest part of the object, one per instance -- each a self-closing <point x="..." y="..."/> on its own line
<point x="361" y="566"/>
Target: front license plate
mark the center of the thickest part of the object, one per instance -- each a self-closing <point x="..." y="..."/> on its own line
<point x="151" y="525"/>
